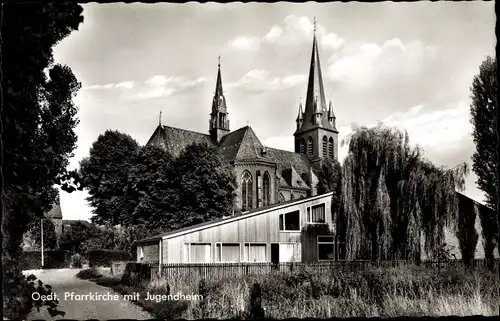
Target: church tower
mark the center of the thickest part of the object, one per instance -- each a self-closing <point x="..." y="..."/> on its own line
<point x="316" y="134"/>
<point x="219" y="121"/>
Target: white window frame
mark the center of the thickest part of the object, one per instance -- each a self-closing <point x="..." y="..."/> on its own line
<point x="197" y="243"/>
<point x="219" y="245"/>
<point x="309" y="214"/>
<point x="290" y="231"/>
<point x="296" y="247"/>
<point x="332" y="243"/>
<point x="250" y="245"/>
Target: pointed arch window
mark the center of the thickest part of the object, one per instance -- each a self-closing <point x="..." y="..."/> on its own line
<point x="330" y="148"/>
<point x="266" y="182"/>
<point x="310" y="146"/>
<point x="246" y="191"/>
<point x="325" y="146"/>
<point x="303" y="146"/>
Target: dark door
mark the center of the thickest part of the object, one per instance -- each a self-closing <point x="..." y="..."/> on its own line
<point x="275" y="253"/>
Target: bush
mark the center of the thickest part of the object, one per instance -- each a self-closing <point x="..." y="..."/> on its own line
<point x="88" y="274"/>
<point x="76" y="261"/>
<point x="106" y="257"/>
<point x="18" y="300"/>
<point x="53" y="259"/>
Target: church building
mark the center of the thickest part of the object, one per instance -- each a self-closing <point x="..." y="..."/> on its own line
<point x="266" y="175"/>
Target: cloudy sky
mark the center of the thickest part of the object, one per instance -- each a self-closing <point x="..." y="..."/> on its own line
<point x="407" y="64"/>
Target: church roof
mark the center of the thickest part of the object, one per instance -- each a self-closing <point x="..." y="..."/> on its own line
<point x="293" y="179"/>
<point x="230" y="144"/>
<point x="239" y="145"/>
<point x="177" y="139"/>
<point x="286" y="159"/>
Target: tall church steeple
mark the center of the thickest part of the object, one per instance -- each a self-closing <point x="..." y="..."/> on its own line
<point x="219" y="121"/>
<point x="317" y="136"/>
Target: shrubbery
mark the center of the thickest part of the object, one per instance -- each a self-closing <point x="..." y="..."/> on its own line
<point x="76" y="260"/>
<point x="388" y="292"/>
<point x="53" y="259"/>
<point x="106" y="257"/>
<point x="88" y="274"/>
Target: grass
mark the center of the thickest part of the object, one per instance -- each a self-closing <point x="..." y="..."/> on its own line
<point x="393" y="292"/>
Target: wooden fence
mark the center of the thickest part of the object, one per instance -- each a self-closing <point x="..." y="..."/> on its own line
<point x="222" y="270"/>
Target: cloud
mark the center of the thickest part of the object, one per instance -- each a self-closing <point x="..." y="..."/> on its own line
<point x="125" y="85"/>
<point x="273" y="34"/>
<point x="154" y="87"/>
<point x="121" y="85"/>
<point x="440" y="131"/>
<point x="163" y="86"/>
<point x="245" y="43"/>
<point x="365" y="64"/>
<point x="293" y="31"/>
<point x="260" y="80"/>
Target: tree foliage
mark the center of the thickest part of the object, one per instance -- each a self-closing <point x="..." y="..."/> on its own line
<point x="105" y="175"/>
<point x="466" y="230"/>
<point x="38" y="121"/>
<point x="204" y="185"/>
<point x="150" y="185"/>
<point x="49" y="234"/>
<point x="391" y="196"/>
<point x="145" y="188"/>
<point x="485" y="158"/>
<point x="82" y="237"/>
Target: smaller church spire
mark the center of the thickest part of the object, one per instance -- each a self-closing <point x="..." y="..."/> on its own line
<point x="300" y="116"/>
<point x="159" y="119"/>
<point x="218" y="85"/>
<point x="219" y="120"/>
<point x="330" y="110"/>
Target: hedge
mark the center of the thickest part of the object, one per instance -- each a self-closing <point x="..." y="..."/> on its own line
<point x="136" y="273"/>
<point x="106" y="257"/>
<point x="53" y="259"/>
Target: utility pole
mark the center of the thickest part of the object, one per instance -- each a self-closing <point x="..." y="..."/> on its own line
<point x="41" y="237"/>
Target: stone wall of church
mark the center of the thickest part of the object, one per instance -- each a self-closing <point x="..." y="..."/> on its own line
<point x="257" y="171"/>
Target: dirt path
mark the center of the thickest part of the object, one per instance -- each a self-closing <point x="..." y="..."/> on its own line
<point x="64" y="282"/>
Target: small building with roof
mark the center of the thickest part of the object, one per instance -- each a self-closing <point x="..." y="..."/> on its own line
<point x="300" y="230"/>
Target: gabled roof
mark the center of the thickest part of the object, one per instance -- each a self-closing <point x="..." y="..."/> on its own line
<point x="175" y="140"/>
<point x="256" y="211"/>
<point x="242" y="144"/>
<point x="465" y="198"/>
<point x="54" y="212"/>
<point x="239" y="145"/>
<point x="281" y="181"/>
<point x="293" y="179"/>
<point x="286" y="159"/>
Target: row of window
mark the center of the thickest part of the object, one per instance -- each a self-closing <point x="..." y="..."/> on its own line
<point x="247" y="189"/>
<point x="328" y="149"/>
<point x="327" y="250"/>
<point x="234" y="252"/>
<point x="290" y="222"/>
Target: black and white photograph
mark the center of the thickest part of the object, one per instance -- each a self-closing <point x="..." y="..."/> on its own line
<point x="249" y="160"/>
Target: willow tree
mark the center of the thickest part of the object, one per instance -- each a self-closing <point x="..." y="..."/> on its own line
<point x="392" y="196"/>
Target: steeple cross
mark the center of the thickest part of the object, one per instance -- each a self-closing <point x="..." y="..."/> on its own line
<point x="314" y="24"/>
<point x="159" y="118"/>
<point x="219" y="61"/>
